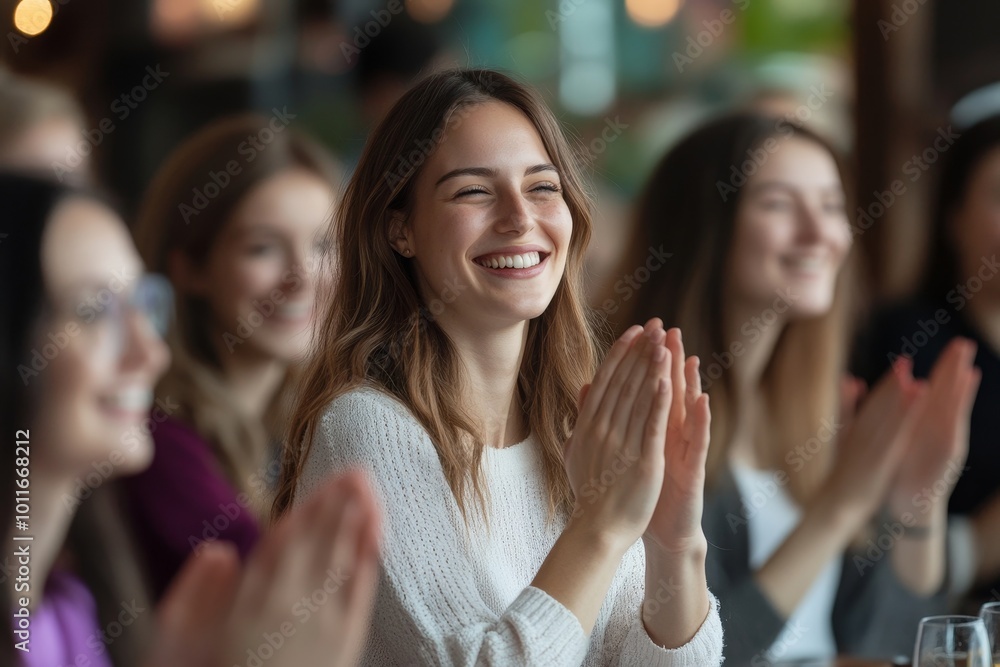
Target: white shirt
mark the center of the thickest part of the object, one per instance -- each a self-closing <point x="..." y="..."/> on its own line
<point x="448" y="596"/>
<point x="773" y="515"/>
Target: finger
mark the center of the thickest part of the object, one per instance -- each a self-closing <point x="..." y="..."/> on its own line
<point x="693" y="382"/>
<point x="851" y="391"/>
<point x="604" y="420"/>
<point x="266" y="564"/>
<point x="616" y="354"/>
<point x="629" y="413"/>
<point x="698" y="435"/>
<point x="193" y="613"/>
<point x="677" y="408"/>
<point x="331" y="535"/>
<point x="643" y="418"/>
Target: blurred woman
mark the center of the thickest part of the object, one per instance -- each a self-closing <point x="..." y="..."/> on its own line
<point x="746" y="220"/>
<point x="454" y="350"/>
<point x="960" y="297"/>
<point x="76" y="392"/>
<point x="41" y="130"/>
<point x="235" y="219"/>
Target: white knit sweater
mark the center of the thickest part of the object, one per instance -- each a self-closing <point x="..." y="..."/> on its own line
<point x="448" y="596"/>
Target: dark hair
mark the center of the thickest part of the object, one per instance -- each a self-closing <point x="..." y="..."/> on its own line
<point x="689" y="208"/>
<point x="97" y="530"/>
<point x="959" y="165"/>
<point x="27" y="204"/>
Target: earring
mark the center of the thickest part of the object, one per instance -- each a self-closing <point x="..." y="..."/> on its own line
<point x="406" y="252"/>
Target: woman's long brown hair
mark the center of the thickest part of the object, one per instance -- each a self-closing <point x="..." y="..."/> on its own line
<point x="689" y="208"/>
<point x="377" y="332"/>
<point x="173" y="219"/>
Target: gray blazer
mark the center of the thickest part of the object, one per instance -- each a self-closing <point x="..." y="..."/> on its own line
<point x="874" y="616"/>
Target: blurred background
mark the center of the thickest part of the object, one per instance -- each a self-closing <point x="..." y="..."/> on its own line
<point x="626" y="77"/>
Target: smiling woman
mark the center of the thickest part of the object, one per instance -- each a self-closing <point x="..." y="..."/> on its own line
<point x="245" y="267"/>
<point x="481" y="434"/>
<point x="761" y="281"/>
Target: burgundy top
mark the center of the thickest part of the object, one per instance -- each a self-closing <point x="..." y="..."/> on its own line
<point x="64" y="627"/>
<point x="184" y="499"/>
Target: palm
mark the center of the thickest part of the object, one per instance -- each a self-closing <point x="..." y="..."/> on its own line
<point x="940" y="436"/>
<point x="676" y="522"/>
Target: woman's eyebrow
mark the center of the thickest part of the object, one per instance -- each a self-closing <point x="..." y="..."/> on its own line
<point x="489" y="172"/>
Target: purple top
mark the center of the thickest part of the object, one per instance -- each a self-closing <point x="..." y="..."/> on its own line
<point x="183" y="500"/>
<point x="64" y="627"/>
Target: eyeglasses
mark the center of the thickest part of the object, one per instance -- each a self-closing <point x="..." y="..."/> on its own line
<point x="103" y="320"/>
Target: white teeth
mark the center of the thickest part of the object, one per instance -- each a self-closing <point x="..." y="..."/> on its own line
<point x="525" y="261"/>
<point x="132" y="400"/>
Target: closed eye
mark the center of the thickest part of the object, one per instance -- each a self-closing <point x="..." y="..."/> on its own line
<point x="472" y="190"/>
<point x="546" y="187"/>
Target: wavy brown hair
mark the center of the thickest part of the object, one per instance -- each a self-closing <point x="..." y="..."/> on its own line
<point x="171" y="219"/>
<point x="377" y="332"/>
<point x="684" y="209"/>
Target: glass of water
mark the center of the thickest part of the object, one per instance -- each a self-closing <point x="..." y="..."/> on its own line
<point x="952" y="641"/>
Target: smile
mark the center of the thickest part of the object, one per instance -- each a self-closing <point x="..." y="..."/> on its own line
<point x="522" y="261"/>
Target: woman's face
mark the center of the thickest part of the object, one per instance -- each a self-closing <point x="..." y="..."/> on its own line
<point x="976" y="227"/>
<point x="260" y="276"/>
<point x="103" y="358"/>
<point x="488" y="230"/>
<point x="792" y="232"/>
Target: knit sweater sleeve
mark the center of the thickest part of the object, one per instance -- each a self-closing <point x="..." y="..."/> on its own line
<point x="427" y="609"/>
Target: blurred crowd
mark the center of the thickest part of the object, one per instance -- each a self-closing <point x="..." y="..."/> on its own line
<point x="275" y="409"/>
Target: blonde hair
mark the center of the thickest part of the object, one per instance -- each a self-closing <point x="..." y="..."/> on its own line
<point x="240" y="441"/>
<point x="685" y="211"/>
<point x="377" y="332"/>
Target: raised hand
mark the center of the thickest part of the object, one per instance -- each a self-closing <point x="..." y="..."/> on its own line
<point x="305" y="595"/>
<point x="872" y="446"/>
<point x="938" y="440"/>
<point x="614" y="459"/>
<point x="676" y="523"/>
